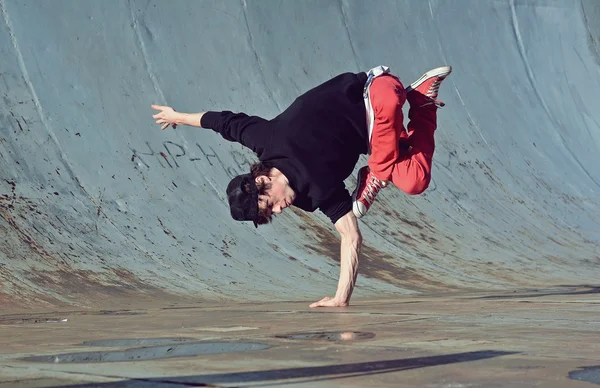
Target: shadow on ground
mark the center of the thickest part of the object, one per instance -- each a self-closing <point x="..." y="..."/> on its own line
<point x="589" y="290"/>
<point x="308" y="374"/>
<point x="591" y="374"/>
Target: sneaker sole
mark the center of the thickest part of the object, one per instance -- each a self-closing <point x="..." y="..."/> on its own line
<point x="355" y="210"/>
<point x="441" y="72"/>
<point x="358" y="179"/>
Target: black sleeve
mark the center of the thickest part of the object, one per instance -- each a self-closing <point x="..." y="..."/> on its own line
<point x="338" y="205"/>
<point x="249" y="131"/>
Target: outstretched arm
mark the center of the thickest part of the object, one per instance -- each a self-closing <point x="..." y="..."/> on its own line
<point x="168" y="116"/>
<point x="238" y="127"/>
<point x="351" y="242"/>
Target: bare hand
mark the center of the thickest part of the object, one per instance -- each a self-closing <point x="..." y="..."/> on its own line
<point x="329" y="302"/>
<point x="167" y="116"/>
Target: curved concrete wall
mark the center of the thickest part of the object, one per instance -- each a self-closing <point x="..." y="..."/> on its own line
<point x="96" y="202"/>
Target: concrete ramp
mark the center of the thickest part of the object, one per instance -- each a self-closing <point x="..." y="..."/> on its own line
<point x="98" y="204"/>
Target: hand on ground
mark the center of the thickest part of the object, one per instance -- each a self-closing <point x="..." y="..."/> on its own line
<point x="329" y="302"/>
<point x="167" y="116"/>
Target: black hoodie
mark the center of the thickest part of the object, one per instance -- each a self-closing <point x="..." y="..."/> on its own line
<point x="315" y="142"/>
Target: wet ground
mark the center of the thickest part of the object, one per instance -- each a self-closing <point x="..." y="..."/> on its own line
<point x="545" y="338"/>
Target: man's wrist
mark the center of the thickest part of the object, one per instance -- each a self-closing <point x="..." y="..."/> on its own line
<point x="183" y="118"/>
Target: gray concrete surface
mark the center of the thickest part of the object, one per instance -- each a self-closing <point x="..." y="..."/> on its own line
<point x="534" y="339"/>
<point x="99" y="208"/>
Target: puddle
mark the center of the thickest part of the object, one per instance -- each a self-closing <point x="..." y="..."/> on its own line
<point x="13" y="321"/>
<point x="591" y="374"/>
<point x="120" y="312"/>
<point x="138" y="341"/>
<point x="226" y="329"/>
<point x="330" y="336"/>
<point x="151" y="353"/>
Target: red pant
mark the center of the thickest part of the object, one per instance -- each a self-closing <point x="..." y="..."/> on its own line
<point x="391" y="159"/>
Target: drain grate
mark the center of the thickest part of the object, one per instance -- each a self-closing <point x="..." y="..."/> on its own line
<point x="591" y="374"/>
<point x="151" y="353"/>
<point x="139" y="342"/>
<point x="330" y="336"/>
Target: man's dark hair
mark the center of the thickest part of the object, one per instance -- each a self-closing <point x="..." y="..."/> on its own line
<point x="256" y="170"/>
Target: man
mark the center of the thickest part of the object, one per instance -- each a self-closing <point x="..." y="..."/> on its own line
<point x="307" y="152"/>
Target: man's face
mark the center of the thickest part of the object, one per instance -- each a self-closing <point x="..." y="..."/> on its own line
<point x="278" y="197"/>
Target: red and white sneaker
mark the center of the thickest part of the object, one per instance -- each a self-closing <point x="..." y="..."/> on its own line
<point x="429" y="84"/>
<point x="367" y="188"/>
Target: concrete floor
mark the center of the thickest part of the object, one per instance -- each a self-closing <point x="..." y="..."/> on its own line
<point x="520" y="339"/>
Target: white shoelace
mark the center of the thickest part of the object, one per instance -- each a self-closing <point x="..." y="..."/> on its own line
<point x="434" y="102"/>
<point x="372" y="190"/>
<point x="434" y="88"/>
<point x="433" y="91"/>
